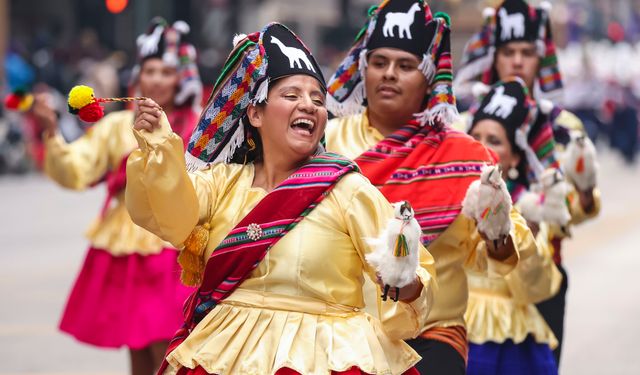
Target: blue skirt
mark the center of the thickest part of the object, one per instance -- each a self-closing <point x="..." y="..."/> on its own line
<point x="526" y="358"/>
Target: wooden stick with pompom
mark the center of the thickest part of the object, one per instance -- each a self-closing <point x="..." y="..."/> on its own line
<point x="83" y="103"/>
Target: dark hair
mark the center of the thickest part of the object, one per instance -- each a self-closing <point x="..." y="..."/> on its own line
<point x="522" y="166"/>
<point x="515" y="149"/>
<point x="247" y="153"/>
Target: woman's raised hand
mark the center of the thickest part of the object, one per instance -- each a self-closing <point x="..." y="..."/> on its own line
<point x="148" y="115"/>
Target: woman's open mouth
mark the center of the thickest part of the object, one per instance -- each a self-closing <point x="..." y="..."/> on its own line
<point x="303" y="126"/>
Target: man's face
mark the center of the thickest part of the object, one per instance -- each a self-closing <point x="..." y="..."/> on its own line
<point x="394" y="83"/>
<point x="518" y="59"/>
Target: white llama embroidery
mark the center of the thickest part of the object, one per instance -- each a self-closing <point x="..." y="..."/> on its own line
<point x="512" y="24"/>
<point x="400" y="19"/>
<point x="295" y="55"/>
<point x="500" y="105"/>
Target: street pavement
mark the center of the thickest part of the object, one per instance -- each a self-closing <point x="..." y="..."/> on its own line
<point x="42" y="248"/>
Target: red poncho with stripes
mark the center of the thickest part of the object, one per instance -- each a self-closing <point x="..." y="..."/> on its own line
<point x="430" y="167"/>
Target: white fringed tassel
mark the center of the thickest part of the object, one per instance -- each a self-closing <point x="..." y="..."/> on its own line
<point x="468" y="122"/>
<point x="236" y="141"/>
<point x="532" y="158"/>
<point x="427" y="67"/>
<point x="541" y="48"/>
<point x="542" y="30"/>
<point x="261" y="93"/>
<point x="362" y="67"/>
<point x="351" y="106"/>
<point x="446" y="113"/>
<point x="193" y="163"/>
<point x="474" y="69"/>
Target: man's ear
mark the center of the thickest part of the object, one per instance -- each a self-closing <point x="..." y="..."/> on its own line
<point x="254" y="114"/>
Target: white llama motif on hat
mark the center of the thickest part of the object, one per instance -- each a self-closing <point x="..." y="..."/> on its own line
<point x="512" y="24"/>
<point x="402" y="20"/>
<point x="295" y="55"/>
<point x="500" y="105"/>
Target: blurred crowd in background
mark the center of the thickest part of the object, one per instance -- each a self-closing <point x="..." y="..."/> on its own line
<point x="53" y="45"/>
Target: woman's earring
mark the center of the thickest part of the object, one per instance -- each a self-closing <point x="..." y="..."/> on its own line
<point x="513" y="173"/>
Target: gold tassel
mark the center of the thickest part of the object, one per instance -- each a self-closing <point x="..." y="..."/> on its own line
<point x="401" y="249"/>
<point x="191" y="258"/>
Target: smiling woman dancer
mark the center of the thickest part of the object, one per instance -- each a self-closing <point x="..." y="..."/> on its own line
<point x="280" y="224"/>
<point x="128" y="292"/>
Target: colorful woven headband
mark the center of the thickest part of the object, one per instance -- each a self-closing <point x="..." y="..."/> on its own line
<point x="166" y="42"/>
<point x="256" y="60"/>
<point x="513" y="20"/>
<point x="346" y="88"/>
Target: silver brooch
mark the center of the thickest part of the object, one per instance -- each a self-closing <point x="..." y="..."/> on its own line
<point x="254" y="231"/>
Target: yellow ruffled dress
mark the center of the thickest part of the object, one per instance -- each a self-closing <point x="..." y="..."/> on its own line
<point x="128" y="292"/>
<point x="301" y="308"/>
<point x="503" y="308"/>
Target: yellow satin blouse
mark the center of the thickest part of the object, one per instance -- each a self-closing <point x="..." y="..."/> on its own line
<point x="81" y="164"/>
<point x="301" y="308"/>
<point x="503" y="308"/>
<point x="454" y="250"/>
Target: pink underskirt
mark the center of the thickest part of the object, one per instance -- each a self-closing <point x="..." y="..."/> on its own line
<point x="287" y="371"/>
<point x="131" y="301"/>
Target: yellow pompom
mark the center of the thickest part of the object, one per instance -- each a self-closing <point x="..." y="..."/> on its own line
<point x="191" y="258"/>
<point x="25" y="103"/>
<point x="79" y="96"/>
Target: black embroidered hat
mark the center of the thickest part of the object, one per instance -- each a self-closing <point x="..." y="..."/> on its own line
<point x="287" y="54"/>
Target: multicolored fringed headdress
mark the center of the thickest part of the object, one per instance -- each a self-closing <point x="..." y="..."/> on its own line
<point x="510" y="104"/>
<point x="513" y="20"/>
<point x="256" y="60"/>
<point x="166" y="42"/>
<point x="407" y="25"/>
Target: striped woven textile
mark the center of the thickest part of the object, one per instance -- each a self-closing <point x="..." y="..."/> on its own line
<point x="430" y="167"/>
<point x="455" y="336"/>
<point x="276" y="214"/>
